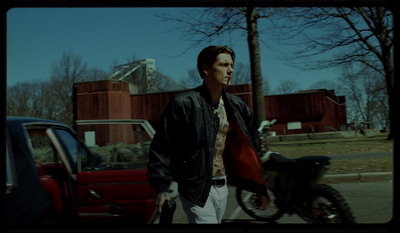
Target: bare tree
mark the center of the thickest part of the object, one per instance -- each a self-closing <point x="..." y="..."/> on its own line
<point x="204" y="25"/>
<point x="328" y="85"/>
<point x="30" y="99"/>
<point x="192" y="79"/>
<point x="94" y="74"/>
<point x="65" y="72"/>
<point x="41" y="104"/>
<point x="255" y="64"/>
<point x="241" y="75"/>
<point x="51" y="99"/>
<point x="166" y="83"/>
<point x="366" y="97"/>
<point x="266" y="87"/>
<point x="17" y="101"/>
<point x="287" y="86"/>
<point x="331" y="37"/>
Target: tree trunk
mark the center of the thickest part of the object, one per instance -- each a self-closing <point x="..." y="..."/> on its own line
<point x="256" y="78"/>
<point x="389" y="73"/>
<point x="393" y="115"/>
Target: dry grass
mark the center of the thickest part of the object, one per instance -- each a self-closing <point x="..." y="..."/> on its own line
<point x="333" y="146"/>
<point x="361" y="165"/>
<point x="342" y="146"/>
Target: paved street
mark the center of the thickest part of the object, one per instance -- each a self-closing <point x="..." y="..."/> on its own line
<point x="371" y="202"/>
<point x="363" y="155"/>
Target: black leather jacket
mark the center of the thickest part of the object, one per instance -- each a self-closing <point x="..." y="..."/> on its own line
<point x="185" y="137"/>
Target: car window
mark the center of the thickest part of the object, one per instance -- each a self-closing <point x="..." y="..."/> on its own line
<point x="42" y="148"/>
<point x="115" y="147"/>
<point x="11" y="176"/>
<point x="70" y="143"/>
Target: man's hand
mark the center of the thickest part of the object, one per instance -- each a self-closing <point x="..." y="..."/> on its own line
<point x="161" y="198"/>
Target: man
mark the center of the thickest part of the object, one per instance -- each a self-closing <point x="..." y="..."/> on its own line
<point x="204" y="135"/>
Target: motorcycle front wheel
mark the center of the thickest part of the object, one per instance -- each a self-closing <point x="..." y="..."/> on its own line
<point x="327" y="205"/>
<point x="248" y="202"/>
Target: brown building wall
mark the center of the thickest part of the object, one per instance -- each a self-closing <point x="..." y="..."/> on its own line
<point x="104" y="100"/>
<point x="317" y="111"/>
<point x="111" y="100"/>
<point x="151" y="106"/>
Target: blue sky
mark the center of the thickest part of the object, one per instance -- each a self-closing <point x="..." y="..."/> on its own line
<point x="36" y="37"/>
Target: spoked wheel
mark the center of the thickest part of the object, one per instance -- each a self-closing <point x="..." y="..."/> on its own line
<point x="250" y="204"/>
<point x="328" y="206"/>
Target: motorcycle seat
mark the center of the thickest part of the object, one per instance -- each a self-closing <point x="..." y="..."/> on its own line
<point x="277" y="162"/>
<point x="279" y="159"/>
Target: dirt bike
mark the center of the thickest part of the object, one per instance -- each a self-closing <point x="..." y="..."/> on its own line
<point x="293" y="189"/>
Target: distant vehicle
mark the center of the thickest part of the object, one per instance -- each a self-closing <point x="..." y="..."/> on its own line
<point x="52" y="176"/>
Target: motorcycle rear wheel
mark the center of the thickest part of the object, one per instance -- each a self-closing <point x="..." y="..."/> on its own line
<point x="328" y="206"/>
<point x="247" y="201"/>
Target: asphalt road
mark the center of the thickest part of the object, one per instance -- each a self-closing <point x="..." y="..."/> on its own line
<point x="364" y="155"/>
<point x="371" y="202"/>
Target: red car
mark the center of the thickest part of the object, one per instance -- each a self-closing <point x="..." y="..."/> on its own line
<point x="54" y="177"/>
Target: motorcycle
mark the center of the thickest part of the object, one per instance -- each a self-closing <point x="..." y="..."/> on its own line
<point x="293" y="189"/>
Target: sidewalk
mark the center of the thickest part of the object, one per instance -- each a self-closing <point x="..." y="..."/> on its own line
<point x="354" y="177"/>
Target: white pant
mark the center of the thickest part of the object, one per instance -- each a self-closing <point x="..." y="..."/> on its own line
<point x="214" y="209"/>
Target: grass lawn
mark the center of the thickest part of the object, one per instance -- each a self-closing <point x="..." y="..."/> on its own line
<point x="361" y="165"/>
<point x="342" y="146"/>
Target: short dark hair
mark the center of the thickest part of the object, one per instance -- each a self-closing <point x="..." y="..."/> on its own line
<point x="208" y="56"/>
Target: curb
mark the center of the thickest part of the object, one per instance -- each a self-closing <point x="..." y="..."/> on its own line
<point x="356" y="177"/>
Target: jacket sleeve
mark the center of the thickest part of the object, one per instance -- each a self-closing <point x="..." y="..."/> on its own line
<point x="161" y="148"/>
<point x="251" y="127"/>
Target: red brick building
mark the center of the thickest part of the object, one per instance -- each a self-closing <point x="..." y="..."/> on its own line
<point x="304" y="112"/>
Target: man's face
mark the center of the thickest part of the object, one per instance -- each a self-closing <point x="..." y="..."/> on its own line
<point x="222" y="70"/>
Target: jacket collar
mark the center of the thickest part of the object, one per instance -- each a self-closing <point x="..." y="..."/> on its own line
<point x="205" y="93"/>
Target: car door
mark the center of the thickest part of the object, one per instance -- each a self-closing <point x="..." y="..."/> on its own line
<point x="11" y="173"/>
<point x="112" y="183"/>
